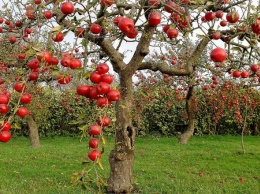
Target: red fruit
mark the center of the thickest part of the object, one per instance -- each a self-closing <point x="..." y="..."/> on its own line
<point x="37" y="2"/>
<point x="170" y="6"/>
<point x="209" y="16"/>
<point x="241" y="179"/>
<point x="94" y="155"/>
<point x="67" y="8"/>
<point x="165" y="28"/>
<point x="2" y="81"/>
<point x="256" y="26"/>
<point x="172" y="33"/>
<point x="104" y="121"/>
<point x="103" y="102"/>
<point x="94" y="129"/>
<point x="113" y="95"/>
<point x="66" y="61"/>
<point x="154" y="3"/>
<point x="232" y="17"/>
<point x="33" y="75"/>
<point x="34" y="64"/>
<point x="93" y="143"/>
<point x="126" y="25"/>
<point x="4" y="99"/>
<point x="95" y="28"/>
<point x="102" y="68"/>
<point x="45" y="56"/>
<point x="5" y="136"/>
<point x="58" y="37"/>
<point x="6" y="126"/>
<point x="236" y="73"/>
<point x="216" y="35"/>
<point x="26" y="98"/>
<point x="22" y="112"/>
<point x="132" y="33"/>
<point x="219" y="14"/>
<point x="19" y="87"/>
<point x="12" y="39"/>
<point x="48" y="14"/>
<point x="218" y="55"/>
<point x="95" y="77"/>
<point x="103" y="88"/>
<point x="83" y="90"/>
<point x="244" y="74"/>
<point x="154" y="18"/>
<point x="53" y="61"/>
<point x="80" y="32"/>
<point x="18" y="23"/>
<point x="223" y="23"/>
<point x="107" y="78"/>
<point x="107" y="2"/>
<point x="64" y="79"/>
<point x="75" y="64"/>
<point x="21" y="56"/>
<point x="3" y="108"/>
<point x="117" y="19"/>
<point x="93" y="93"/>
<point x="254" y="67"/>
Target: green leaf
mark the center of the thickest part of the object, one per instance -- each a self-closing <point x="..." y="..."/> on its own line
<point x="237" y="49"/>
<point x="87" y="75"/>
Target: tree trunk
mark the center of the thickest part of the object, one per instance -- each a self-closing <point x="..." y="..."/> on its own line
<point x="184" y="138"/>
<point x="33" y="132"/>
<point x="122" y="157"/>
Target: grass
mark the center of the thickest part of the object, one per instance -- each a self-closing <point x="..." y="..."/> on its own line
<point x="161" y="165"/>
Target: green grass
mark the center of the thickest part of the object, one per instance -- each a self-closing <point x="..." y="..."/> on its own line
<point x="161" y="165"/>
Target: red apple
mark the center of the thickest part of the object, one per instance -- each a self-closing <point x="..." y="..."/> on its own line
<point x="26" y="98"/>
<point x="94" y="129"/>
<point x="93" y="143"/>
<point x="154" y="18"/>
<point x="102" y="68"/>
<point x="218" y="55"/>
<point x="95" y="28"/>
<point x="126" y="25"/>
<point x="67" y="8"/>
<point x="5" y="136"/>
<point x="232" y="17"/>
<point x="22" y="112"/>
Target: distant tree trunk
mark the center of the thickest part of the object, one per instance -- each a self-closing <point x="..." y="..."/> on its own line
<point x="184" y="138"/>
<point x="122" y="157"/>
<point x="33" y="132"/>
<point x="255" y="129"/>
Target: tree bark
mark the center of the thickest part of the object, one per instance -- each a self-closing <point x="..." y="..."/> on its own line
<point x="122" y="157"/>
<point x="184" y="138"/>
<point x="33" y="132"/>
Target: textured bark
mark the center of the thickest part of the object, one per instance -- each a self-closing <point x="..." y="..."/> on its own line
<point x="184" y="138"/>
<point x="122" y="157"/>
<point x="33" y="132"/>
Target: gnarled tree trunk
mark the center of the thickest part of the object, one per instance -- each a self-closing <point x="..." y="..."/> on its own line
<point x="122" y="157"/>
<point x="33" y="132"/>
<point x="184" y="138"/>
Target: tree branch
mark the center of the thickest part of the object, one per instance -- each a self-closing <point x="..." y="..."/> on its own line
<point x="142" y="49"/>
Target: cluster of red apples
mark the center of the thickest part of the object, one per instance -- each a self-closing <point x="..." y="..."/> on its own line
<point x="22" y="111"/>
<point x="104" y="95"/>
<point x="219" y="55"/>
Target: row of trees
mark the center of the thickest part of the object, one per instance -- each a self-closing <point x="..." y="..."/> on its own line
<point x="176" y="38"/>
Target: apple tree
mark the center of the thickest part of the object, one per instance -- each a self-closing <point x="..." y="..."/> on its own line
<point x="123" y="34"/>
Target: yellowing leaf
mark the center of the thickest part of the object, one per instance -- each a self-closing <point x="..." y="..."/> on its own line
<point x="100" y="164"/>
<point x="55" y="29"/>
<point x="104" y="140"/>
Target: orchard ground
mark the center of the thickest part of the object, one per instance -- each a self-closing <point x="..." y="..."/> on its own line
<point x="208" y="164"/>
